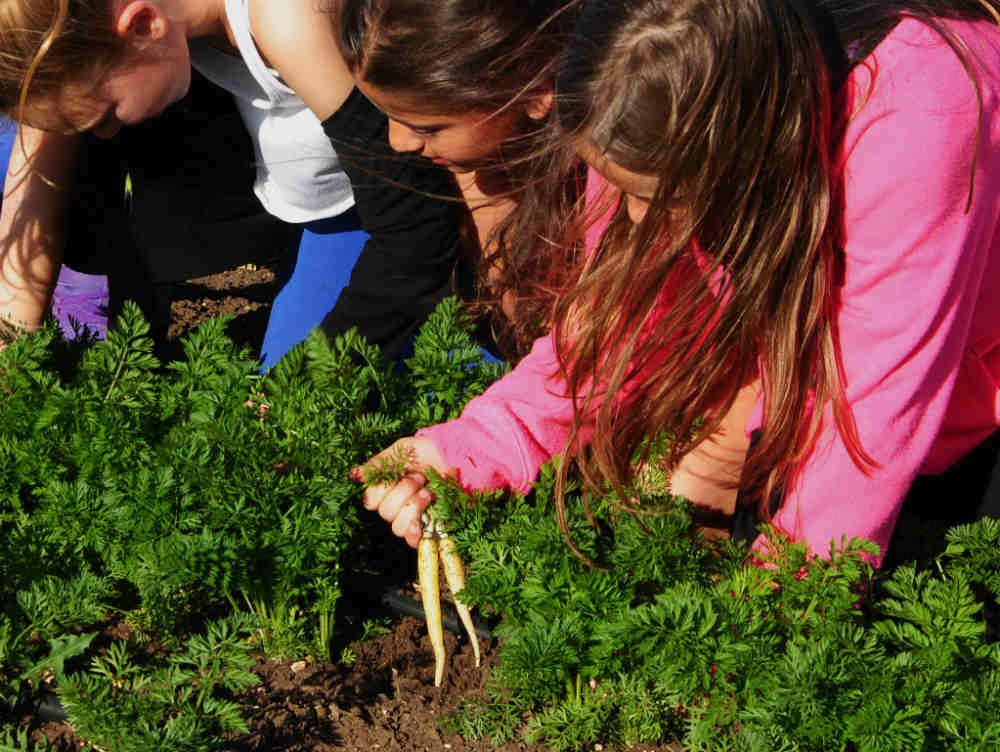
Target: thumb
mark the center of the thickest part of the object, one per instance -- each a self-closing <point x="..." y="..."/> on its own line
<point x="404" y="456"/>
<point x="424" y="455"/>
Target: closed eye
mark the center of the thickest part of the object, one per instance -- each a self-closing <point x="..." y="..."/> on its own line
<point x="426" y="130"/>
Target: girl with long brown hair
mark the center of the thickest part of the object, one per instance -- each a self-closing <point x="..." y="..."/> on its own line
<point x="809" y="205"/>
<point x="469" y="85"/>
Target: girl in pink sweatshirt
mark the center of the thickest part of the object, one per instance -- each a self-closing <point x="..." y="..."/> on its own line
<point x="808" y="213"/>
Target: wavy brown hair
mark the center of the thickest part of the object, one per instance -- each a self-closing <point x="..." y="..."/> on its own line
<point x="46" y="43"/>
<point x="733" y="107"/>
<point x="487" y="56"/>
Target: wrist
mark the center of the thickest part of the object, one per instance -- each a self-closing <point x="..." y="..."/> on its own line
<point x="12" y="328"/>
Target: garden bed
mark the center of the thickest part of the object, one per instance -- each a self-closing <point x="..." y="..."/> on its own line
<point x="386" y="699"/>
<point x="671" y="640"/>
<point x="381" y="695"/>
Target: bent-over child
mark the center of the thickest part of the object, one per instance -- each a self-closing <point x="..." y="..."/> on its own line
<point x="377" y="252"/>
<point x="468" y="84"/>
<point x="807" y="215"/>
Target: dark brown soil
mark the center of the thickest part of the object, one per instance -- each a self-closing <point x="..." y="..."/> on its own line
<point x="245" y="292"/>
<point x="385" y="699"/>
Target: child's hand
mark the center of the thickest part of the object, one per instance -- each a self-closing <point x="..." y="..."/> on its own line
<point x="401" y="503"/>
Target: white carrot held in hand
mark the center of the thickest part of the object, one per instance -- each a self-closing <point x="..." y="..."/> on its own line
<point x="454" y="573"/>
<point x="430" y="594"/>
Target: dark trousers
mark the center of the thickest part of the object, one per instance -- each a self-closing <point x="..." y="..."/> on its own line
<point x="189" y="209"/>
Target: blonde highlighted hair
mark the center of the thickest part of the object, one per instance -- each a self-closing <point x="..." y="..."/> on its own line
<point x="46" y="43"/>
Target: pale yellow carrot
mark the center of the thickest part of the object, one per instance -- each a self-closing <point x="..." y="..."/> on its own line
<point x="454" y="573"/>
<point x="430" y="593"/>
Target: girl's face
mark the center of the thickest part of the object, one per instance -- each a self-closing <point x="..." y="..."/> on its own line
<point x="459" y="142"/>
<point x="147" y="79"/>
<point x="637" y="188"/>
<point x="139" y="89"/>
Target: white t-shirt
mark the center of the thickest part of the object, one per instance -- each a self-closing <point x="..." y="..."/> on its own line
<point x="299" y="177"/>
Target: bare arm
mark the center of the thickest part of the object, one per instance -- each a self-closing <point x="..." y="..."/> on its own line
<point x="298" y="39"/>
<point x="407" y="264"/>
<point x="32" y="222"/>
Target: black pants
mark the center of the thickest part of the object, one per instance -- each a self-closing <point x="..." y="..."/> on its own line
<point x="190" y="210"/>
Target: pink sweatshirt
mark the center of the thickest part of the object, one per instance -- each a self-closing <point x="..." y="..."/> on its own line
<point x="920" y="319"/>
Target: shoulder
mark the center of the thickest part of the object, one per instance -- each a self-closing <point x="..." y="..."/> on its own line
<point x="298" y="39"/>
<point x="944" y="68"/>
<point x="285" y="27"/>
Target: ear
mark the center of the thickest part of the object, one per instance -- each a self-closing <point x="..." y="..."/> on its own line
<point x="141" y="21"/>
<point x="540" y="104"/>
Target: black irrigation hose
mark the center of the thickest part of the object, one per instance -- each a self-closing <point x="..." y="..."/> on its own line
<point x="48" y="707"/>
<point x="399" y="603"/>
<point x="43" y="704"/>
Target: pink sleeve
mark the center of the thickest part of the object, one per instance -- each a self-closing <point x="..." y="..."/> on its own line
<point x="914" y="266"/>
<point x="504" y="436"/>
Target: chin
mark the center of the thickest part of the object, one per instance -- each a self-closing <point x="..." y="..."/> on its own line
<point x="182" y="88"/>
<point x="458" y="169"/>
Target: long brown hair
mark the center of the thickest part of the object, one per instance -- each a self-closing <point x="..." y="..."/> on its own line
<point x="486" y="56"/>
<point x="46" y="43"/>
<point x="732" y="106"/>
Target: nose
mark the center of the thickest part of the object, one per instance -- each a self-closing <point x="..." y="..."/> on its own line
<point x="402" y="139"/>
<point x="636" y="207"/>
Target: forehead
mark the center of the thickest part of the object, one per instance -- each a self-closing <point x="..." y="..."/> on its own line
<point x="636" y="183"/>
<point x="394" y="102"/>
<point x="409" y="109"/>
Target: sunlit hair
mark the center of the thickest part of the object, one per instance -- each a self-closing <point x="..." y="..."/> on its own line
<point x="488" y="57"/>
<point x="731" y="105"/>
<point x="46" y="43"/>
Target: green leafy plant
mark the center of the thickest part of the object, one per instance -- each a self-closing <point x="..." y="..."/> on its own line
<point x="675" y="640"/>
<point x="180" y="705"/>
<point x="187" y="496"/>
<point x="211" y="508"/>
<point x="20" y="740"/>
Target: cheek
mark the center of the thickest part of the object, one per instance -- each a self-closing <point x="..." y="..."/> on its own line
<point x="182" y="83"/>
<point x="402" y="139"/>
<point x="469" y="147"/>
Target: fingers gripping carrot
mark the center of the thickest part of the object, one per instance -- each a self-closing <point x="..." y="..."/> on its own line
<point x="396" y="484"/>
<point x="454" y="573"/>
<point x="430" y="593"/>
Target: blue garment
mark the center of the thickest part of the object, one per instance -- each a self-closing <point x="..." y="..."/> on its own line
<point x="317" y="268"/>
<point x="8" y="131"/>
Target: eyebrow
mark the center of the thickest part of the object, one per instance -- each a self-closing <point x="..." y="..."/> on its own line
<point x="412" y="126"/>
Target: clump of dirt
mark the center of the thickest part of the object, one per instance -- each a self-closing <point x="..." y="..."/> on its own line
<point x="384" y="700"/>
<point x="246" y="292"/>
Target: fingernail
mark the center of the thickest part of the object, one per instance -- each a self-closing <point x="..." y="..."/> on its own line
<point x="424" y="494"/>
